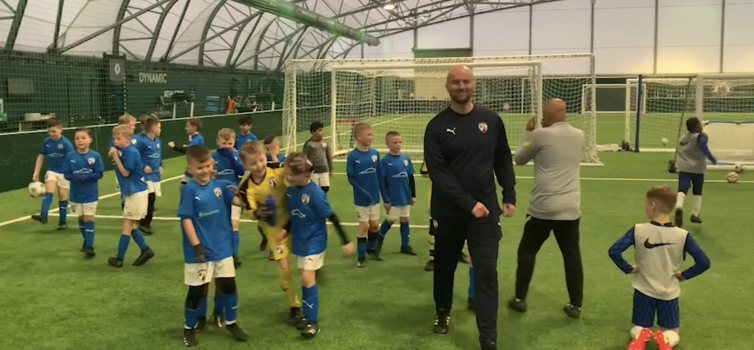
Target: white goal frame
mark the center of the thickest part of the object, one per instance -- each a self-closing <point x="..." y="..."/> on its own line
<point x="537" y="65"/>
<point x="698" y="82"/>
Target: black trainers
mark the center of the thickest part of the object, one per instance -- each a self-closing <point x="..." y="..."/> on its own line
<point x="310" y="330"/>
<point x="39" y="218"/>
<point x="679" y="217"/>
<point x="147" y="231"/>
<point x="517" y="305"/>
<point x="237" y="332"/>
<point x="429" y="266"/>
<point x="408" y="250"/>
<point x="294" y="316"/>
<point x="83" y="247"/>
<point x="695" y="219"/>
<point x="217" y="319"/>
<point x="442" y="324"/>
<point x="302" y="322"/>
<point x="488" y="345"/>
<point x="572" y="311"/>
<point x="145" y="255"/>
<point x="471" y="304"/>
<point x="375" y="254"/>
<point x="89" y="252"/>
<point x="62" y="227"/>
<point x="189" y="338"/>
<point x="361" y="263"/>
<point x="236" y="261"/>
<point x="201" y="324"/>
<point x="115" y="262"/>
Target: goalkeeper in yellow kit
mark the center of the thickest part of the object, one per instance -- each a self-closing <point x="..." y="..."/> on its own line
<point x="263" y="191"/>
<point x="430" y="266"/>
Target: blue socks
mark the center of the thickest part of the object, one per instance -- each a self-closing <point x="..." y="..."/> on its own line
<point x="139" y="239"/>
<point x="201" y="310"/>
<point x="87" y="230"/>
<point x="361" y="247"/>
<point x="472" y="294"/>
<point x="405" y="231"/>
<point x="230" y="304"/>
<point x="373" y="239"/>
<point x="384" y="228"/>
<point x="123" y="247"/>
<point x="82" y="229"/>
<point x="235" y="239"/>
<point x="218" y="307"/>
<point x="190" y="318"/>
<point x="310" y="302"/>
<point x="63" y="207"/>
<point x="46" y="201"/>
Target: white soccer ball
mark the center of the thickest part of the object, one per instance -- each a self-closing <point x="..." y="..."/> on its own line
<point x="665" y="141"/>
<point x="37" y="189"/>
<point x="732" y="178"/>
<point x="740" y="168"/>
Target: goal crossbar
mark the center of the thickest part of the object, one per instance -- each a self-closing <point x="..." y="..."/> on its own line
<point x="439" y="65"/>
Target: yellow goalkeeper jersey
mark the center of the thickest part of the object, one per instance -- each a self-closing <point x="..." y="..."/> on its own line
<point x="273" y="184"/>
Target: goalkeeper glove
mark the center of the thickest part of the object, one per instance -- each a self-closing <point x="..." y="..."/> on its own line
<point x="199" y="254"/>
<point x="263" y="213"/>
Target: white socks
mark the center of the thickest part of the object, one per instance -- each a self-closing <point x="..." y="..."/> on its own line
<point x="679" y="201"/>
<point x="696" y="205"/>
<point x="635" y="332"/>
<point x="672" y="337"/>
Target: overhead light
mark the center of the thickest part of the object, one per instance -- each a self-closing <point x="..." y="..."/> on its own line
<point x="389" y="6"/>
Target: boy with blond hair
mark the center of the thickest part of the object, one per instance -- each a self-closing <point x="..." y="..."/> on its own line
<point x="134" y="195"/>
<point x="125" y="119"/>
<point x="263" y="192"/>
<point x="205" y="224"/>
<point x="84" y="168"/>
<point x="309" y="209"/>
<point x="55" y="147"/>
<point x="364" y="173"/>
<point x="229" y="168"/>
<point x="660" y="249"/>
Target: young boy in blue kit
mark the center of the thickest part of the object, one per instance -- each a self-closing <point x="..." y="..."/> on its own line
<point x="55" y="147"/>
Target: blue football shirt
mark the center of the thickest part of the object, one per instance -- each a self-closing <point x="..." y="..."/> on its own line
<point x="281" y="158"/>
<point x="208" y="208"/>
<point x="225" y="169"/>
<point x="151" y="155"/>
<point x="364" y="167"/>
<point x="91" y="166"/>
<point x="241" y="139"/>
<point x="395" y="173"/>
<point x="55" y="151"/>
<point x="194" y="140"/>
<point x="309" y="209"/>
<point x="131" y="160"/>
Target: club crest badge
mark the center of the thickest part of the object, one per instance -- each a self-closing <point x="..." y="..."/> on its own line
<point x="374" y="159"/>
<point x="405" y="163"/>
<point x="158" y="145"/>
<point x="305" y="198"/>
<point x="60" y="146"/>
<point x="133" y="141"/>
<point x="272" y="182"/>
<point x="483" y="127"/>
<point x="90" y="161"/>
<point x="218" y="192"/>
<point x="434" y="223"/>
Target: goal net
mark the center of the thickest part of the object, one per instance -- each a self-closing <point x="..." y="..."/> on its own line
<point x="403" y="95"/>
<point x="658" y="107"/>
<point x="731" y="143"/>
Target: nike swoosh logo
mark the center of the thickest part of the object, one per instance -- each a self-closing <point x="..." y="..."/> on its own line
<point x="654" y="245"/>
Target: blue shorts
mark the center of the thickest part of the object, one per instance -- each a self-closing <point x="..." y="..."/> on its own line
<point x="689" y="180"/>
<point x="645" y="308"/>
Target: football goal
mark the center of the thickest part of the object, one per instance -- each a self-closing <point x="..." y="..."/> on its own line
<point x="657" y="108"/>
<point x="404" y="94"/>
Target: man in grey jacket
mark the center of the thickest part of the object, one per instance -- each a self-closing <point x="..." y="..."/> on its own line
<point x="557" y="149"/>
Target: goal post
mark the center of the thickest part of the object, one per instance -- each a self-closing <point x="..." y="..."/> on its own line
<point x="667" y="102"/>
<point x="403" y="95"/>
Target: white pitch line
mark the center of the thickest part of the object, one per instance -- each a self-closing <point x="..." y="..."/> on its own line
<point x="55" y="210"/>
<point x="617" y="179"/>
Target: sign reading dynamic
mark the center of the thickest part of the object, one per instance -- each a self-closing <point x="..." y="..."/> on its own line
<point x="153" y="77"/>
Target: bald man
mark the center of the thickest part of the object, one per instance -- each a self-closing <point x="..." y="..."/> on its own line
<point x="465" y="147"/>
<point x="554" y="205"/>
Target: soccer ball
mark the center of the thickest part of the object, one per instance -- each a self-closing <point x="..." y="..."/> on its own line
<point x="740" y="168"/>
<point x="732" y="178"/>
<point x="664" y="141"/>
<point x="37" y="189"/>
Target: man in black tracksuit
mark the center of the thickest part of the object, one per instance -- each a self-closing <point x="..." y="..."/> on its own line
<point x="466" y="147"/>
